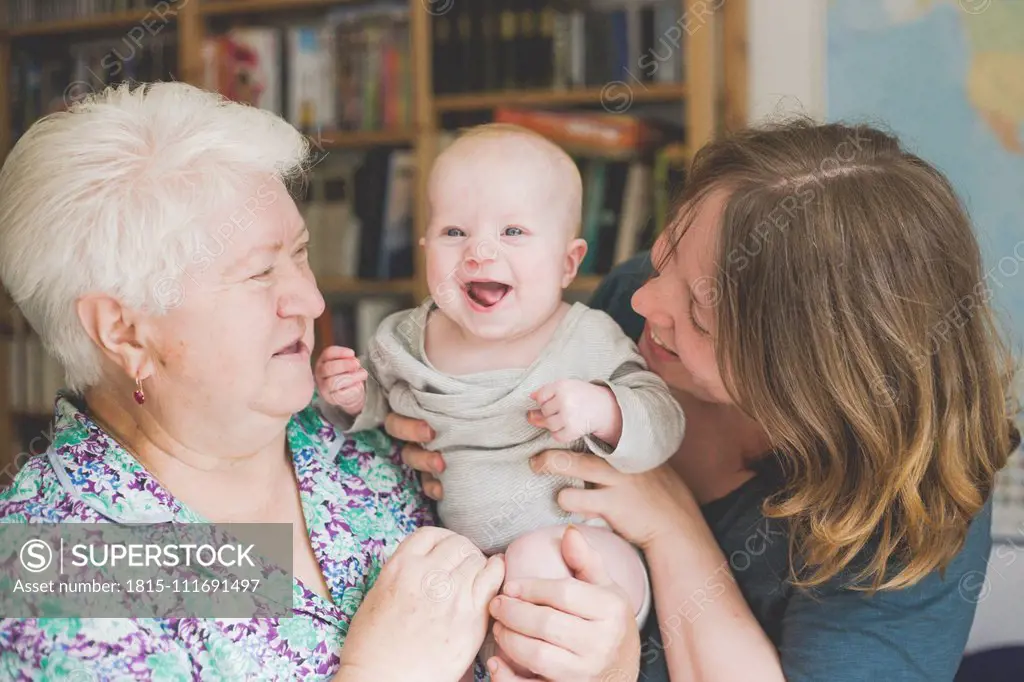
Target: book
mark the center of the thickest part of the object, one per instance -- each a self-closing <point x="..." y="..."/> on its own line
<point x="493" y="45"/>
<point x="245" y="65"/>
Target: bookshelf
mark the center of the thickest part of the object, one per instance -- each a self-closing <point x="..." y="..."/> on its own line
<point x="709" y="95"/>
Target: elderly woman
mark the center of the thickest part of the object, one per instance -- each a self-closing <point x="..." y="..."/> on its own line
<point x="820" y="308"/>
<point x="149" y="238"/>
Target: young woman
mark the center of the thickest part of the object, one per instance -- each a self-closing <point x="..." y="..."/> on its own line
<point x="820" y="307"/>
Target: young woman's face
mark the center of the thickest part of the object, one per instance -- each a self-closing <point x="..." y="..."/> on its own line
<point x="678" y="304"/>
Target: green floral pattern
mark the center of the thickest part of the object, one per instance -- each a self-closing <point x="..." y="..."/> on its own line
<point x="359" y="503"/>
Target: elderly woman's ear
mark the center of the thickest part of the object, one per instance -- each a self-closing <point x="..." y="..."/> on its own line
<point x="118" y="332"/>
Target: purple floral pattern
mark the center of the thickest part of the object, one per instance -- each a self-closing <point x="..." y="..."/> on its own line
<point x="359" y="502"/>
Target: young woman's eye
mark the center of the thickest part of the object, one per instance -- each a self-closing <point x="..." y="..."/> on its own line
<point x="453" y="232"/>
<point x="696" y="325"/>
<point x="513" y="231"/>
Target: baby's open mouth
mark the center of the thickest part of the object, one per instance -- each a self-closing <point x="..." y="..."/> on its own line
<point x="487" y="294"/>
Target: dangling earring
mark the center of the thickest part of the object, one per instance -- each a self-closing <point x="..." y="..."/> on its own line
<point x="140" y="397"/>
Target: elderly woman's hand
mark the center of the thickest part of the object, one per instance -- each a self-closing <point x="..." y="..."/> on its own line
<point x="581" y="628"/>
<point x="425" y="618"/>
<point x="427" y="462"/>
<point x="640" y="507"/>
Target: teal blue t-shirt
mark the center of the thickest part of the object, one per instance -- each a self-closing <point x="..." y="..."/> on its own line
<point x="835" y="635"/>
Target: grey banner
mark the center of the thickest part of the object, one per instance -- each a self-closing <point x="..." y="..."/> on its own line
<point x="165" y="570"/>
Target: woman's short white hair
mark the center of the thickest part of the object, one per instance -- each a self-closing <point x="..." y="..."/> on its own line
<point x="114" y="196"/>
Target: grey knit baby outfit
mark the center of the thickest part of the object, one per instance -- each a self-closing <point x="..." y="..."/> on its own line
<point x="491" y="495"/>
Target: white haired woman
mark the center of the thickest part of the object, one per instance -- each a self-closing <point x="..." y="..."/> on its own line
<point x="148" y="236"/>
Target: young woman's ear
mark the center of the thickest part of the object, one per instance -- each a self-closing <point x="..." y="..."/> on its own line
<point x="574" y="254"/>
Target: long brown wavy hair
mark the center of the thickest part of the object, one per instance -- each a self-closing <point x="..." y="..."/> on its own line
<point x="855" y="325"/>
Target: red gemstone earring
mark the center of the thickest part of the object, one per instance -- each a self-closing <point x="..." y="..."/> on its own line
<point x="140" y="397"/>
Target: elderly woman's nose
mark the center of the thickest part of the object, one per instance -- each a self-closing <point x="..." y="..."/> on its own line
<point x="301" y="297"/>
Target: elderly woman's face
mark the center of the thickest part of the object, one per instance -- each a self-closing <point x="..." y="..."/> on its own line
<point x="243" y="331"/>
<point x="678" y="304"/>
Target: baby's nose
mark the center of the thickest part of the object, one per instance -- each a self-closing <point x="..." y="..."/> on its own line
<point x="481" y="251"/>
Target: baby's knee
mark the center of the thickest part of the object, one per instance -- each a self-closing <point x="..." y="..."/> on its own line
<point x="537" y="554"/>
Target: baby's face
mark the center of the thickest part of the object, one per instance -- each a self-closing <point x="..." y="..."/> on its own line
<point x="499" y="245"/>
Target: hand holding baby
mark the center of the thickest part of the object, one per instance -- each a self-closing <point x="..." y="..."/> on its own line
<point x="572" y="408"/>
<point x="341" y="379"/>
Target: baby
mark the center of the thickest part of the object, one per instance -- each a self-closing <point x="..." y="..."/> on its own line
<point x="501" y="367"/>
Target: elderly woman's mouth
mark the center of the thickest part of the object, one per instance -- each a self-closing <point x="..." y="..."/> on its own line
<point x="295" y="349"/>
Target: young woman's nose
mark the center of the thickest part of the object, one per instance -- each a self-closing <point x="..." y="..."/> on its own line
<point x="648" y="302"/>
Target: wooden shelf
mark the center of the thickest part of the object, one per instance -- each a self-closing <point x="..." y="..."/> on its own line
<point x="99" y="22"/>
<point x="586" y="283"/>
<point x="223" y="7"/>
<point x="357" y="139"/>
<point x="368" y="287"/>
<point x="615" y="94"/>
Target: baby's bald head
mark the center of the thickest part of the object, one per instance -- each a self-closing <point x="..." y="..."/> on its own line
<point x="539" y="169"/>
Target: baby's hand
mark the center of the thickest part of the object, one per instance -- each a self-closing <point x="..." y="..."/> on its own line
<point x="341" y="380"/>
<point x="571" y="408"/>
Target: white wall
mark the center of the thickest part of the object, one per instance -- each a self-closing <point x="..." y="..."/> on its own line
<point x="787" y="43"/>
<point x="786" y="57"/>
<point x="999" y="620"/>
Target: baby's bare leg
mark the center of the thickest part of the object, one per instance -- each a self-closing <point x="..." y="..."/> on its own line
<point x="539" y="555"/>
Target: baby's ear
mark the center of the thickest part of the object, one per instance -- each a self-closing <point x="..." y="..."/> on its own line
<point x="574" y="254"/>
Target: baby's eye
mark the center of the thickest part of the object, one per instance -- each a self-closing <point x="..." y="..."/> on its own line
<point x="454" y="232"/>
<point x="513" y="231"/>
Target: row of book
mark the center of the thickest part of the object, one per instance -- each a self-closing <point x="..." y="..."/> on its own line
<point x="349" y="72"/>
<point x="506" y="44"/>
<point x="617" y="203"/>
<point x="21" y="12"/>
<point x="42" y="85"/>
<point x="358" y="207"/>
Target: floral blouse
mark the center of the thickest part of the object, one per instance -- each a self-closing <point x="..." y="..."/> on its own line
<point x="359" y="503"/>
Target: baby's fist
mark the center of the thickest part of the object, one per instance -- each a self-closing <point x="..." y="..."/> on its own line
<point x="571" y="408"/>
<point x="341" y="379"/>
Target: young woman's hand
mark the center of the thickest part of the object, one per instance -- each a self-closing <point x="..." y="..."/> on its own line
<point x="581" y="628"/>
<point x="426" y="616"/>
<point x="639" y="507"/>
<point x="427" y="462"/>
